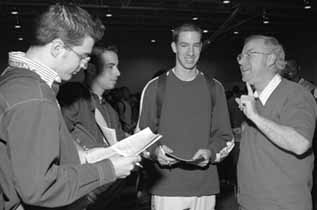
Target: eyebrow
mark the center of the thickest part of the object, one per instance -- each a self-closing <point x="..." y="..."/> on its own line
<point x="189" y="43"/>
<point x="110" y="64"/>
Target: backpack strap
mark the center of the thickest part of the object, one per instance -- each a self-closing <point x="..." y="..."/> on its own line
<point x="211" y="84"/>
<point x="160" y="93"/>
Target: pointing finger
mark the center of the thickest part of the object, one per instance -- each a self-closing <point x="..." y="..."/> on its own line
<point x="250" y="91"/>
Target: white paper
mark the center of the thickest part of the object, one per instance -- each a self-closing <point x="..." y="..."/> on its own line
<point x="137" y="143"/>
<point x="99" y="153"/>
<point x="130" y="146"/>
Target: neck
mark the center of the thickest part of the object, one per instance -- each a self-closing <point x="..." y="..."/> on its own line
<point x="40" y="55"/>
<point x="97" y="90"/>
<point x="185" y="74"/>
<point x="260" y="86"/>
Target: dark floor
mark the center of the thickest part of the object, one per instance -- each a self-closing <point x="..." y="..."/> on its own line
<point x="225" y="201"/>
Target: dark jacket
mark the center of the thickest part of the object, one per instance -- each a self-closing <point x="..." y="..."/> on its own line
<point x="39" y="161"/>
<point x="78" y="106"/>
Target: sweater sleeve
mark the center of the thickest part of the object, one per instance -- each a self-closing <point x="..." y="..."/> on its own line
<point x="147" y="113"/>
<point x="221" y="140"/>
<point x="34" y="132"/>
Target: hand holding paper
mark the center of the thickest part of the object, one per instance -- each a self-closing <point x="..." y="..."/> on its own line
<point x="201" y="158"/>
<point x="203" y="155"/>
<point x="161" y="155"/>
<point x="130" y="146"/>
<point x="124" y="165"/>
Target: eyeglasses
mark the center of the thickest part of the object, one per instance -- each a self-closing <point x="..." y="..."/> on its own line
<point x="82" y="57"/>
<point x="249" y="54"/>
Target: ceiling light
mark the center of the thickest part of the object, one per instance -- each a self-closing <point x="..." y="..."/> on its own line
<point x="265" y="18"/>
<point x="307" y="7"/>
<point x="14" y="12"/>
<point x="236" y="32"/>
<point x="266" y="21"/>
<point x="20" y="38"/>
<point x="17" y="26"/>
<point x="205" y="31"/>
<point x="195" y="18"/>
<point x="108" y="15"/>
<point x="153" y="40"/>
<point x="307" y="4"/>
<point x="226" y="1"/>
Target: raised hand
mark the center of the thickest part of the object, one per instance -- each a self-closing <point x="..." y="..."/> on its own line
<point x="247" y="103"/>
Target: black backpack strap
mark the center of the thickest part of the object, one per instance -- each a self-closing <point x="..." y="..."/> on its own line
<point x="211" y="84"/>
<point x="161" y="86"/>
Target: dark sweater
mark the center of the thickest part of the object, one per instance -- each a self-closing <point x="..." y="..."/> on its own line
<point x="38" y="155"/>
<point x="270" y="177"/>
<point x="185" y="126"/>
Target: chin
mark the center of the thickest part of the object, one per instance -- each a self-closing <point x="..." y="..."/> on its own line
<point x="190" y="67"/>
<point x="66" y="77"/>
<point x="246" y="78"/>
<point x="110" y="87"/>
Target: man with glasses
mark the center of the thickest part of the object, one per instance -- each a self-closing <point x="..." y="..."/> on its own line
<point x="40" y="166"/>
<point x="84" y="58"/>
<point x="276" y="161"/>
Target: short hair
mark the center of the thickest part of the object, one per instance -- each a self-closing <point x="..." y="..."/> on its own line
<point x="70" y="23"/>
<point x="98" y="62"/>
<point x="275" y="47"/>
<point x="185" y="27"/>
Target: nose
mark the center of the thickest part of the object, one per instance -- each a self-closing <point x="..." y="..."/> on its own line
<point x="84" y="63"/>
<point x="191" y="50"/>
<point x="240" y="58"/>
<point x="117" y="71"/>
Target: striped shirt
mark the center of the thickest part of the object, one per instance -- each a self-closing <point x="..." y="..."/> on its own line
<point x="19" y="60"/>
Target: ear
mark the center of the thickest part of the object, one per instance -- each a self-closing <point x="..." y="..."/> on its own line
<point x="173" y="45"/>
<point x="271" y="59"/>
<point x="57" y="47"/>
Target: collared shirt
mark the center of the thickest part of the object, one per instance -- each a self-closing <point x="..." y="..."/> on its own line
<point x="268" y="90"/>
<point x="18" y="59"/>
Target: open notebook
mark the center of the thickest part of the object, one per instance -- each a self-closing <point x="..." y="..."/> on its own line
<point x="183" y="160"/>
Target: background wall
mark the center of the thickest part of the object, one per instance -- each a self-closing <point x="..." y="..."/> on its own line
<point x="140" y="59"/>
